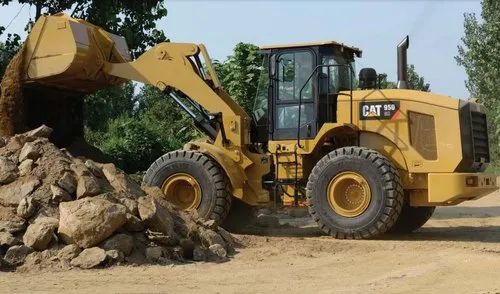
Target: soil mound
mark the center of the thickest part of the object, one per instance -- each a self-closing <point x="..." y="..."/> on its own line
<point x="60" y="211"/>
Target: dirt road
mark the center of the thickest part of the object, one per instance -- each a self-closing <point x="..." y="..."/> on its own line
<point x="458" y="251"/>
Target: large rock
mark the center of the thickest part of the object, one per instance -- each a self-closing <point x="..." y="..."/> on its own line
<point x="59" y="194"/>
<point x="9" y="221"/>
<point x="120" y="181"/>
<point x="68" y="182"/>
<point x="13" y="193"/>
<point x="130" y="204"/>
<point x="8" y="240"/>
<point x="89" y="258"/>
<point x="133" y="224"/>
<point x="156" y="254"/>
<point x="17" y="254"/>
<point x="15" y="143"/>
<point x="8" y="171"/>
<point x="121" y="242"/>
<point x="39" y="234"/>
<point x="209" y="237"/>
<point x="89" y="221"/>
<point x="12" y="226"/>
<point x="26" y="208"/>
<point x="26" y="167"/>
<point x="114" y="256"/>
<point x="42" y="131"/>
<point x="68" y="252"/>
<point x="267" y="221"/>
<point x="88" y="186"/>
<point x="29" y="151"/>
<point x="200" y="253"/>
<point x="155" y="216"/>
<point x="218" y="251"/>
<point x="94" y="168"/>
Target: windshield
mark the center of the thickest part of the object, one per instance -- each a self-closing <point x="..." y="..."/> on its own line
<point x="340" y="75"/>
<point x="260" y="104"/>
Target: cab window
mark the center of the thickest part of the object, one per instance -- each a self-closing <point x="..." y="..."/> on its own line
<point x="293" y="71"/>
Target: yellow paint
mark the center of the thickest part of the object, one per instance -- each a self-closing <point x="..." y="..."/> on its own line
<point x="349" y="194"/>
<point x="183" y="191"/>
<point x="72" y="54"/>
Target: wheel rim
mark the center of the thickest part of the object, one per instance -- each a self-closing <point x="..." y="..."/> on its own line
<point x="183" y="191"/>
<point x="349" y="194"/>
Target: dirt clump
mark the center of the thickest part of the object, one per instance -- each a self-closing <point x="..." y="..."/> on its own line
<point x="58" y="211"/>
<point x="11" y="96"/>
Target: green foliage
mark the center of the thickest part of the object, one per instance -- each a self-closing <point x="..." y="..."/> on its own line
<point x="4" y="58"/>
<point x="7" y="50"/>
<point x="479" y="55"/>
<point x="138" y="135"/>
<point x="172" y="125"/>
<point x="108" y="104"/>
<point x="415" y="81"/>
<point x="132" y="142"/>
<point x="384" y="83"/>
<point x="239" y="74"/>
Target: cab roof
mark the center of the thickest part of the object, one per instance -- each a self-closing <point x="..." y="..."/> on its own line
<point x="356" y="51"/>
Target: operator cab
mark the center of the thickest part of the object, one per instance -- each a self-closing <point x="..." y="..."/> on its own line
<point x="308" y="76"/>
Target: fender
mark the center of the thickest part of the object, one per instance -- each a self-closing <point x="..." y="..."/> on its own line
<point x="233" y="171"/>
<point x="385" y="147"/>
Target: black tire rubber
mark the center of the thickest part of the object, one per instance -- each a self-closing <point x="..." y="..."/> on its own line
<point x="411" y="218"/>
<point x="386" y="199"/>
<point x="239" y="217"/>
<point x="216" y="196"/>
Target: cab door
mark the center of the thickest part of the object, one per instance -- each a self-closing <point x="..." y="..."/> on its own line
<point x="294" y="77"/>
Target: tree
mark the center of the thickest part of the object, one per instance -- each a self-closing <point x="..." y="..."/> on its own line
<point x="108" y="104"/>
<point x="415" y="81"/>
<point x="384" y="83"/>
<point x="7" y="50"/>
<point x="479" y="55"/>
<point x="154" y="126"/>
<point x="172" y="125"/>
<point x="239" y="74"/>
<point x="4" y="58"/>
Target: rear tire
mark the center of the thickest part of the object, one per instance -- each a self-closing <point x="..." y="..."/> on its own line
<point x="412" y="218"/>
<point x="211" y="183"/>
<point x="379" y="183"/>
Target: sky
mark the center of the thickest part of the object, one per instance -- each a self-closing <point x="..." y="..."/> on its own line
<point x="435" y="28"/>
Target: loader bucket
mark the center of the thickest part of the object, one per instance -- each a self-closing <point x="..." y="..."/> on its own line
<point x="69" y="53"/>
<point x="60" y="63"/>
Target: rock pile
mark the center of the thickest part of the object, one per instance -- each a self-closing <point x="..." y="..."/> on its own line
<point x="60" y="211"/>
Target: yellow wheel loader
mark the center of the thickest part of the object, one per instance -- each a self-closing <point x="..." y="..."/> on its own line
<point x="365" y="161"/>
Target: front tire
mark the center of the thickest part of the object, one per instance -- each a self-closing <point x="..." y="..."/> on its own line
<point x="191" y="180"/>
<point x="412" y="218"/>
<point x="354" y="193"/>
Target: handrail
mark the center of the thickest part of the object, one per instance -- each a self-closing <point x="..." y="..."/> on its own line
<point x="299" y="126"/>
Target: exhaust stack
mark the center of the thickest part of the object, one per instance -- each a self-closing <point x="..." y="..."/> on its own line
<point x="402" y="63"/>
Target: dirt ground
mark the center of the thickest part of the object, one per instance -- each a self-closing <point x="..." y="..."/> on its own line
<point x="458" y="251"/>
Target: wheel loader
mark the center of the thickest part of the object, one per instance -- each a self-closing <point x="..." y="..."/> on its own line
<point x="365" y="161"/>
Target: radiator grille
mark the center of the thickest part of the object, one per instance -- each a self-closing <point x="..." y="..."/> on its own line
<point x="480" y="137"/>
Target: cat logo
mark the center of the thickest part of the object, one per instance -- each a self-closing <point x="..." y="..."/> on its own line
<point x="378" y="110"/>
<point x="371" y="110"/>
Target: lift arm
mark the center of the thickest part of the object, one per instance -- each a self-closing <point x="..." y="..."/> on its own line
<point x="71" y="54"/>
